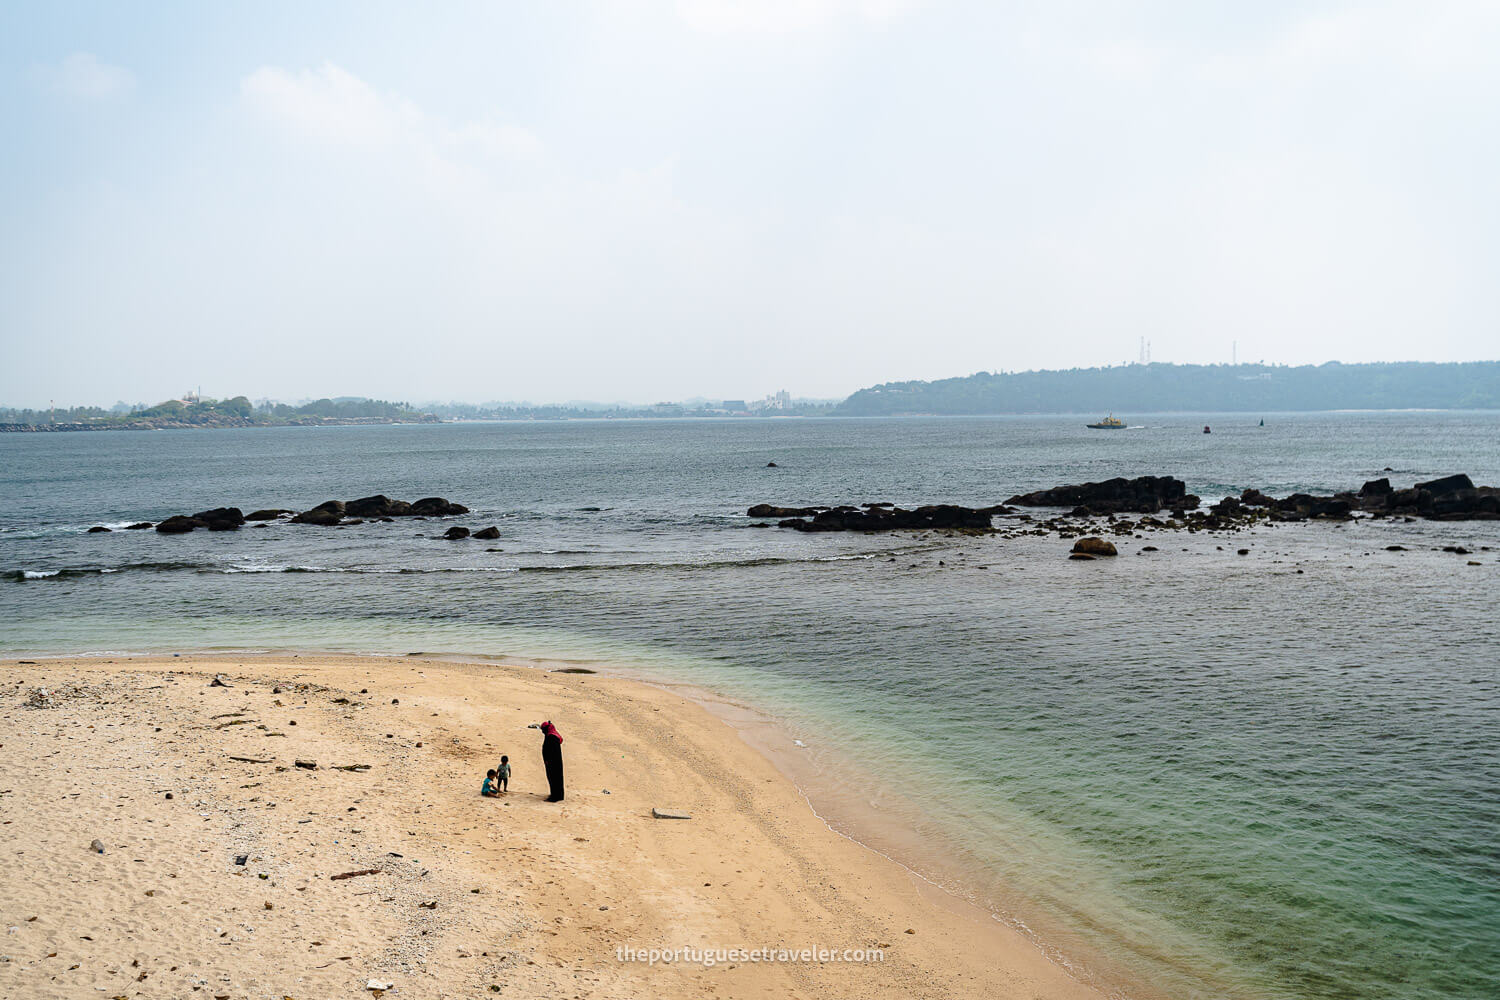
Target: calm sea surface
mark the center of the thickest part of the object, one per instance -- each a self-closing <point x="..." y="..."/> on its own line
<point x="1188" y="772"/>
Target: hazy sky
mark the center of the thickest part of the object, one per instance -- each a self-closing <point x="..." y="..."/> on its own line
<point x="637" y="200"/>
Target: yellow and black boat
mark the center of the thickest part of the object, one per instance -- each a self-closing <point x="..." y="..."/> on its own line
<point x="1109" y="423"/>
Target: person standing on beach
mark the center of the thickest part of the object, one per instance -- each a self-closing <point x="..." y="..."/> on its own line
<point x="552" y="760"/>
<point x="502" y="774"/>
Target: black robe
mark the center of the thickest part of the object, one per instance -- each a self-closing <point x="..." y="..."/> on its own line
<point x="552" y="760"/>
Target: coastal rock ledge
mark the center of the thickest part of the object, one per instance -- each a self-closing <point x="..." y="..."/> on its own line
<point x="326" y="514"/>
<point x="1142" y="495"/>
<point x="881" y="517"/>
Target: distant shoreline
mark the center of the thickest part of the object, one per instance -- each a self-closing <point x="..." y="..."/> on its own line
<point x="160" y="425"/>
<point x="226" y="424"/>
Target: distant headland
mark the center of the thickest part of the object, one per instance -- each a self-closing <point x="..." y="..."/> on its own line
<point x="1124" y="389"/>
<point x="1156" y="388"/>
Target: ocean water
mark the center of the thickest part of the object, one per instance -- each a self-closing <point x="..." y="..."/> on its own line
<point x="1187" y="772"/>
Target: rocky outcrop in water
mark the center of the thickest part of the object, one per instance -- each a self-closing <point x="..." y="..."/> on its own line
<point x="319" y="516"/>
<point x="379" y="505"/>
<point x="1450" y="498"/>
<point x="771" y="510"/>
<point x="377" y="508"/>
<point x="326" y="514"/>
<point x="179" y="524"/>
<point x="1142" y="495"/>
<point x="884" y="518"/>
<point x="221" y="518"/>
<point x="436" y="507"/>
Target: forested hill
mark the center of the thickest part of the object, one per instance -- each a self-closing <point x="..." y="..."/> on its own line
<point x="1163" y="387"/>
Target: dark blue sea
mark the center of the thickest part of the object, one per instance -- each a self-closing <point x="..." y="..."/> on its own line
<point x="1187" y="772"/>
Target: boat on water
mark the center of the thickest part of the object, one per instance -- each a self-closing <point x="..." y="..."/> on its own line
<point x="1109" y="423"/>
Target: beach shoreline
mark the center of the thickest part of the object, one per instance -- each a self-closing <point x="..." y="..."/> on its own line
<point x="756" y="867"/>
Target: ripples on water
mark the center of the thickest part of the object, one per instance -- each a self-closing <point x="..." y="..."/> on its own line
<point x="1202" y="772"/>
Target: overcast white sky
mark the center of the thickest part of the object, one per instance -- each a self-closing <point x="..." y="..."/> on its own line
<point x="653" y="200"/>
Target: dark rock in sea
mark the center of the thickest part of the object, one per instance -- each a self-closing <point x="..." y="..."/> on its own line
<point x="332" y="507"/>
<point x="772" y="465"/>
<point x="1448" y="484"/>
<point x="318" y="516"/>
<point x="1395" y="548"/>
<point x="1255" y="498"/>
<point x="1144" y="495"/>
<point x="223" y="525"/>
<point x="487" y="534"/>
<point x="770" y="510"/>
<point x="379" y="505"/>
<point x="97" y="529"/>
<point x="268" y="514"/>
<point x="937" y="516"/>
<point x="1243" y="552"/>
<point x="456" y="532"/>
<point x="138" y="526"/>
<point x="1080" y="556"/>
<point x="230" y="515"/>
<point x="357" y="520"/>
<point x="1093" y="546"/>
<point x="1376" y="488"/>
<point x="179" y="524"/>
<point x="436" y="507"/>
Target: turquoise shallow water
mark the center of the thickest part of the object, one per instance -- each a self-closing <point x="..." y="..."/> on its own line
<point x="1196" y="773"/>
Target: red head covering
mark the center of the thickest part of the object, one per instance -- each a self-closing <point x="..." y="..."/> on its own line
<point x="548" y="729"/>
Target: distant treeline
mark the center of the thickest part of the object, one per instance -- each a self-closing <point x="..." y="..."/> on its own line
<point x="1163" y="387"/>
<point x="237" y="411"/>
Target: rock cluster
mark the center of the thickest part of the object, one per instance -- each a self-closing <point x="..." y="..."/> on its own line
<point x="326" y="514"/>
<point x="885" y="517"/>
<point x="1450" y="498"/>
<point x="1142" y="495"/>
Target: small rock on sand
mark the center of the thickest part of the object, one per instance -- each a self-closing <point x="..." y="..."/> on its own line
<point x="97" y="846"/>
<point x="669" y="814"/>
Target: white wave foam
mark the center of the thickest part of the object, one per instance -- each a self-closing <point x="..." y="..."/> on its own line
<point x="277" y="568"/>
<point x="38" y="574"/>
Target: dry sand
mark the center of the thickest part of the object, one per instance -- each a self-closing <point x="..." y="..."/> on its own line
<point x="474" y="897"/>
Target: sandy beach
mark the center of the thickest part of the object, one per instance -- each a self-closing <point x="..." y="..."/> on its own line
<point x="179" y="779"/>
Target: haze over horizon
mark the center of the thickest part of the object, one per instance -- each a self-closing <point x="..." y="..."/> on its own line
<point x="645" y="201"/>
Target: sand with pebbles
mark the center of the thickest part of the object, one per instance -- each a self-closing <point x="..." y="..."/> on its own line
<point x="216" y="877"/>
